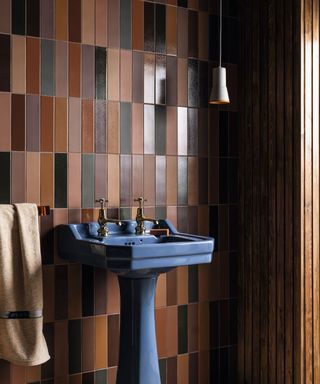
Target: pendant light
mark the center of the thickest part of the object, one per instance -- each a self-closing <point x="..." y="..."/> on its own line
<point x="219" y="92"/>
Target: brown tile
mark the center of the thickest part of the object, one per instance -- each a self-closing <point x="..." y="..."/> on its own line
<point x="18" y="374"/>
<point x="33" y="178"/>
<point x="88" y="71"/>
<point x="224" y="270"/>
<point x="161" y="291"/>
<point x="113" y="74"/>
<point x="18" y="64"/>
<point x="74" y="21"/>
<point x="112" y="375"/>
<point x="204" y="367"/>
<point x="192" y="34"/>
<point x="171" y="33"/>
<point x="137" y="25"/>
<point x="33" y="374"/>
<point x="182" y="32"/>
<point x="137" y="128"/>
<point x="137" y="175"/>
<point x="203" y="220"/>
<point x="46" y="179"/>
<point x="138" y="78"/>
<point x="100" y="288"/>
<point x="204" y="329"/>
<point x="75" y="379"/>
<point x="47" y="19"/>
<point x="46" y="125"/>
<point x="61" y="124"/>
<point x="61" y="68"/>
<point x="88" y="345"/>
<point x="87" y="22"/>
<point x="5" y="8"/>
<point x="113" y="127"/>
<point x="149" y="73"/>
<point x="18" y="177"/>
<point x="74" y="180"/>
<point x="183" y="369"/>
<point x="114" y="23"/>
<point x="61" y="19"/>
<point x="172" y="370"/>
<point x="87" y="215"/>
<point x="113" y="340"/>
<point x="74" y="216"/>
<point x="160" y="318"/>
<point x="203" y="35"/>
<point x="5" y="126"/>
<point x="215" y="277"/>
<point x="18" y="122"/>
<point x="74" y="291"/>
<point x="113" y="179"/>
<point x="32" y="123"/>
<point x="172" y="287"/>
<point x="182" y="82"/>
<point x="182" y="131"/>
<point x="172" y="180"/>
<point x="172" y="331"/>
<point x="194" y="4"/>
<point x="193" y="327"/>
<point x="60" y="216"/>
<point x="48" y="293"/>
<point x="101" y="22"/>
<point x="172" y="215"/>
<point x="74" y="117"/>
<point x="125" y="75"/>
<point x="61" y="348"/>
<point x="87" y="126"/>
<point x="74" y="69"/>
<point x="101" y="176"/>
<point x="101" y="342"/>
<point x="214" y="181"/>
<point x="113" y="293"/>
<point x="32" y="65"/>
<point x="203" y="132"/>
<point x="182" y="274"/>
<point x="149" y="179"/>
<point x="171" y="130"/>
<point x="193" y="181"/>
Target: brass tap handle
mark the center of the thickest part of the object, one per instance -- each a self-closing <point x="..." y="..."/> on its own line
<point x="141" y="201"/>
<point x="103" y="202"/>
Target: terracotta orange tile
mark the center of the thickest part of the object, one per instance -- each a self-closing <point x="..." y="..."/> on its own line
<point x="61" y="124"/>
<point x="112" y="375"/>
<point x="18" y="173"/>
<point x="18" y="64"/>
<point x="74" y="121"/>
<point x="88" y="345"/>
<point x="46" y="123"/>
<point x="32" y="65"/>
<point x="61" y="68"/>
<point x="182" y="131"/>
<point x="183" y="369"/>
<point x="113" y="74"/>
<point x="87" y="215"/>
<point x="203" y="35"/>
<point x="87" y="22"/>
<point x="137" y="128"/>
<point x="74" y="290"/>
<point x="74" y="180"/>
<point x="17" y="122"/>
<point x="48" y="293"/>
<point x="113" y="127"/>
<point x="172" y="331"/>
<point x="149" y="180"/>
<point x="204" y="329"/>
<point x="113" y="179"/>
<point x="61" y="348"/>
<point x="46" y="179"/>
<point x="125" y="75"/>
<point x="74" y="69"/>
<point x="171" y="32"/>
<point x="61" y="19"/>
<point x="5" y="126"/>
<point x="172" y="215"/>
<point x="137" y="176"/>
<point x="33" y="374"/>
<point x="113" y="294"/>
<point x="172" y="180"/>
<point x="137" y="25"/>
<point x="149" y="73"/>
<point x="193" y="327"/>
<point x="5" y="18"/>
<point x="101" y="22"/>
<point x="161" y="322"/>
<point x="114" y="23"/>
<point x="193" y="181"/>
<point x="18" y="374"/>
<point x="101" y="342"/>
<point x="182" y="273"/>
<point x="161" y="291"/>
<point x="33" y="177"/>
<point x="87" y="126"/>
<point x="101" y="175"/>
<point x="182" y="82"/>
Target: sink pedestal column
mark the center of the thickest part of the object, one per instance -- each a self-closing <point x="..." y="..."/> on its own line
<point x="138" y="357"/>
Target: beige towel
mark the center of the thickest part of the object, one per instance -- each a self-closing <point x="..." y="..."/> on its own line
<point x="21" y="338"/>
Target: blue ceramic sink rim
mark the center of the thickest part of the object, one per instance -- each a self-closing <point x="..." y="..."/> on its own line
<point x="123" y="250"/>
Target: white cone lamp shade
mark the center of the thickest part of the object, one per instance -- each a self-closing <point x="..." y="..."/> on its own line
<point x="219" y="92"/>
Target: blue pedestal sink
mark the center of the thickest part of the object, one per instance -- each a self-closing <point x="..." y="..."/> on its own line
<point x="137" y="260"/>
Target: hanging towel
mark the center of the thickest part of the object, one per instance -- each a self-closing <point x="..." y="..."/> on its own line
<point x="21" y="338"/>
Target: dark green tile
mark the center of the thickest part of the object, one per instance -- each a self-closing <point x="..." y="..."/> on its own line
<point x="182" y="329"/>
<point x="60" y="180"/>
<point x="193" y="291"/>
<point x="161" y="129"/>
<point x="160" y="28"/>
<point x="161" y="212"/>
<point x="125" y="214"/>
<point x="125" y="24"/>
<point x="18" y="17"/>
<point x="125" y="129"/>
<point x="163" y="370"/>
<point x="5" y="177"/>
<point x="87" y="181"/>
<point x="101" y="74"/>
<point x="47" y="67"/>
<point x="101" y="377"/>
<point x="74" y="341"/>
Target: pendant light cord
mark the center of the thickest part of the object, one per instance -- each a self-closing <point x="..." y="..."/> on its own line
<point x="220" y="34"/>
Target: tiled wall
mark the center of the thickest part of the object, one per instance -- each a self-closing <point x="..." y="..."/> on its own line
<point x="110" y="99"/>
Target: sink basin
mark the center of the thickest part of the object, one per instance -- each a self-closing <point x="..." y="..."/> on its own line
<point x="126" y="253"/>
<point x="137" y="260"/>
